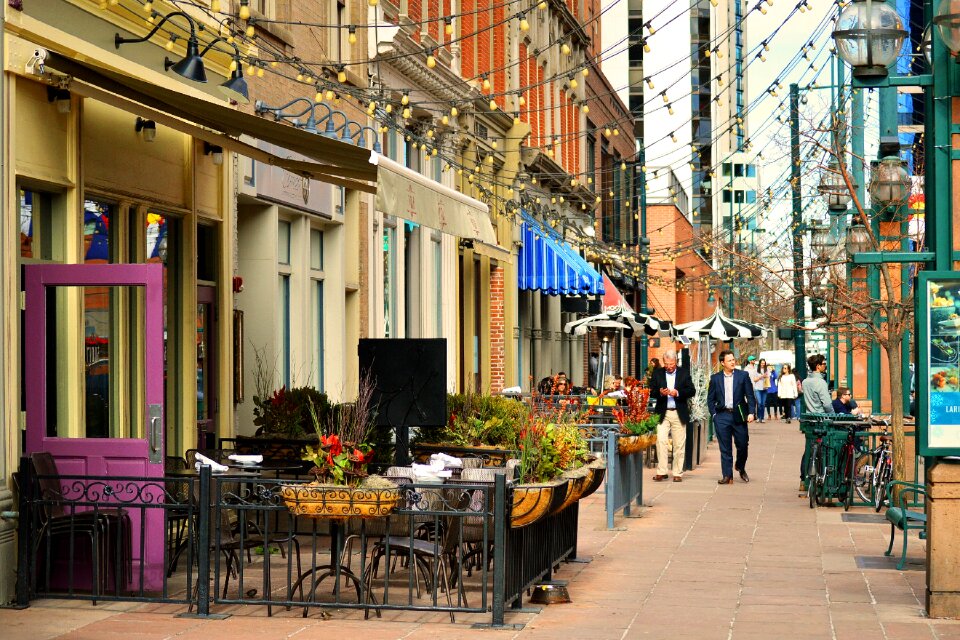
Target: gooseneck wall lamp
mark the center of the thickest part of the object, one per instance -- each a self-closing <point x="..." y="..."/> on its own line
<point x="235" y="87"/>
<point x="191" y="66"/>
<point x="350" y="131"/>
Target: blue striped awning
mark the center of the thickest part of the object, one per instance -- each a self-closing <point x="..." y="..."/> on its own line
<point x="550" y="265"/>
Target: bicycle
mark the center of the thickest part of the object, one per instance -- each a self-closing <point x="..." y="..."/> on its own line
<point x="882" y="471"/>
<point x="832" y="470"/>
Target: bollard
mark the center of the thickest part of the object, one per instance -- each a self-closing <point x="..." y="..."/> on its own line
<point x="499" y="538"/>
<point x="203" y="544"/>
<point x="611" y="481"/>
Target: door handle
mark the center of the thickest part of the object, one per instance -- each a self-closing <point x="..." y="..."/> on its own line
<point x="155" y="435"/>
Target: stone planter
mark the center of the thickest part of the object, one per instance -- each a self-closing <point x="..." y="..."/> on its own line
<point x="534" y="501"/>
<point x="329" y="501"/>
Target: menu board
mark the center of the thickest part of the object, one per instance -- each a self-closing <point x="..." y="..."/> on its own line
<point x="938" y="316"/>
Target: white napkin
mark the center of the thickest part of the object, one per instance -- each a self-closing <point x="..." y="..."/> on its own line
<point x="512" y="391"/>
<point x="244" y="458"/>
<point x="214" y="466"/>
<point x="430" y="472"/>
<point x="620" y="393"/>
<point x="446" y="461"/>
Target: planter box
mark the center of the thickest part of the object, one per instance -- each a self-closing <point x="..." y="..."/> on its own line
<point x="327" y="501"/>
<point x="635" y="444"/>
<point x="532" y="502"/>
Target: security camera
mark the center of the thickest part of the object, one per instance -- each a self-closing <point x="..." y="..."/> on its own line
<point x="35" y="65"/>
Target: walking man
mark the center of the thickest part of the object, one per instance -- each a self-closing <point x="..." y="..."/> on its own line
<point x="672" y="388"/>
<point x="731" y="402"/>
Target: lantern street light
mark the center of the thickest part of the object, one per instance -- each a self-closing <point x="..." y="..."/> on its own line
<point x="889" y="183"/>
<point x="869" y="36"/>
<point x="821" y="239"/>
<point x="858" y="240"/>
<point x="833" y="188"/>
<point x="926" y="46"/>
<point x="947" y="22"/>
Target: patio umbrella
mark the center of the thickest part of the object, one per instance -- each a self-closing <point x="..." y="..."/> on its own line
<point x="630" y="321"/>
<point x="719" y="327"/>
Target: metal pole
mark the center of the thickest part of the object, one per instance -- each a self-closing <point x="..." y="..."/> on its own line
<point x="499" y="540"/>
<point x="641" y="181"/>
<point x="799" y="338"/>
<point x="203" y="542"/>
<point x="857" y="149"/>
<point x="611" y="482"/>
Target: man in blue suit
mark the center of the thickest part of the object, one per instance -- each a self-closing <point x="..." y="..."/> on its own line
<point x="731" y="402"/>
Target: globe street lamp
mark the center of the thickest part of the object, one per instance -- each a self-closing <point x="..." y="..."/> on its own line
<point x="869" y="36"/>
<point x="889" y="183"/>
<point x="947" y="22"/>
<point x="833" y="188"/>
<point x="858" y="240"/>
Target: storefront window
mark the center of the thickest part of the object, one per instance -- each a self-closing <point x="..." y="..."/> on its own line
<point x="283" y="242"/>
<point x="316" y="305"/>
<point x="284" y="326"/>
<point x="97" y="247"/>
<point x="36" y="225"/>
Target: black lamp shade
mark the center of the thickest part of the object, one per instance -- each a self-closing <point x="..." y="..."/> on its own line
<point x="236" y="88"/>
<point x="191" y="67"/>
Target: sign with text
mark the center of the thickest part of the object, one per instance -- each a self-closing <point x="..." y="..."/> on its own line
<point x="938" y="374"/>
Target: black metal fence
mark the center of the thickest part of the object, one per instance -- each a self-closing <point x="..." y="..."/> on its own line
<point x="201" y="539"/>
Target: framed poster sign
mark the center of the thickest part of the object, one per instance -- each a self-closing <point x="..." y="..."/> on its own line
<point x="938" y="369"/>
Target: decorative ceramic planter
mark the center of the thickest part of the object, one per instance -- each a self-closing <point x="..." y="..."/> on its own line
<point x="326" y="501"/>
<point x="534" y="501"/>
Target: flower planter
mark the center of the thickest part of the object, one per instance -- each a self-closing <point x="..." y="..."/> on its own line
<point x="534" y="501"/>
<point x="491" y="456"/>
<point x="627" y="445"/>
<point x="328" y="501"/>
<point x="597" y="473"/>
<point x="575" y="487"/>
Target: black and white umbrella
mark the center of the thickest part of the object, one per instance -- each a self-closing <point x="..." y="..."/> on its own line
<point x="719" y="327"/>
<point x="629" y="321"/>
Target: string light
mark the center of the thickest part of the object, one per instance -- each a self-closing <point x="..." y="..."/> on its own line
<point x="352" y="34"/>
<point x="244" y="10"/>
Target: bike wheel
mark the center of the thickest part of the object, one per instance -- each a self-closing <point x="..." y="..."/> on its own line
<point x="862" y="483"/>
<point x="812" y="476"/>
<point x="849" y="479"/>
<point x="880" y="488"/>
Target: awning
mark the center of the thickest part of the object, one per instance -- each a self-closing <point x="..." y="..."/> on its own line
<point x="406" y="194"/>
<point x="400" y="191"/>
<point x="612" y="298"/>
<point x="550" y="265"/>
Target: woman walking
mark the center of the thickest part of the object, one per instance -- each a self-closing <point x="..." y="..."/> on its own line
<point x="787" y="391"/>
<point x="773" y="400"/>
<point x="761" y="383"/>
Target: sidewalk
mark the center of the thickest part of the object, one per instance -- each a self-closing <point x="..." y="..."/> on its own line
<point x="705" y="561"/>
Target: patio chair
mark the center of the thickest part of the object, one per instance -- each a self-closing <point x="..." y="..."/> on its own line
<point x="437" y="560"/>
<point x="107" y="528"/>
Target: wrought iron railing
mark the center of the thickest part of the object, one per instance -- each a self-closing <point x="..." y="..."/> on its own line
<point x="203" y="540"/>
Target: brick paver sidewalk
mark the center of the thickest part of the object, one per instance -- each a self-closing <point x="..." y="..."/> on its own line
<point x="705" y="561"/>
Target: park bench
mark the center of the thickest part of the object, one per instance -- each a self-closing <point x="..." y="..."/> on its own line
<point x="907" y="516"/>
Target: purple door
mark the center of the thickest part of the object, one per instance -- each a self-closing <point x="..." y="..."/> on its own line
<point x="104" y="432"/>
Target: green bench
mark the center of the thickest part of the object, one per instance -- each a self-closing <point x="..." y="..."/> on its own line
<point x="906" y="516"/>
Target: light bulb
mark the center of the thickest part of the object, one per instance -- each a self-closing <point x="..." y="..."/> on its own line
<point x="389" y="108"/>
<point x="372" y="3"/>
<point x="244" y="11"/>
<point x="215" y="6"/>
<point x="670" y="109"/>
<point x="260" y="71"/>
<point x="493" y="105"/>
<point x="274" y="64"/>
<point x="352" y="35"/>
<point x="431" y="61"/>
<point x="405" y="100"/>
<point x="445" y="120"/>
<point x="649" y="83"/>
<point x="486" y="84"/>
<point x="573" y="83"/>
<point x="448" y="27"/>
<point x="542" y="5"/>
<point x="516" y="119"/>
<point x="585" y="72"/>
<point x="524" y="25"/>
<point x="147" y="7"/>
<point x="318" y="97"/>
<point x="330" y="94"/>
<point x="341" y="76"/>
<point x="169" y="44"/>
<point x="251" y="70"/>
<point x="406" y="113"/>
<point x="565" y="49"/>
<point x="429" y="133"/>
<point x="299" y="77"/>
<point x="522" y="101"/>
<point x="646" y="47"/>
<point x="454" y="112"/>
<point x="623" y="166"/>
<point x="434" y="152"/>
<point x="599" y="199"/>
<point x="607" y="132"/>
<point x="573" y="182"/>
<point x="666" y="100"/>
<point x="493" y="143"/>
<point x="372" y="106"/>
<point x="585" y="109"/>
<point x="616" y="132"/>
<point x="250" y="31"/>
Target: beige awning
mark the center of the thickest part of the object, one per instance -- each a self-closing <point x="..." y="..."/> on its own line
<point x="406" y="194"/>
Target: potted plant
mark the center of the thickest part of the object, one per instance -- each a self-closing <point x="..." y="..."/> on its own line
<point x="480" y="425"/>
<point x="342" y="488"/>
<point x="638" y="426"/>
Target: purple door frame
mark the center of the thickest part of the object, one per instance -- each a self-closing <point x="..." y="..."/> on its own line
<point x="119" y="457"/>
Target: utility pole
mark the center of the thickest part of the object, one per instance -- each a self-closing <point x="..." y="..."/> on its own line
<point x="857" y="152"/>
<point x="799" y="337"/>
<point x="640" y="182"/>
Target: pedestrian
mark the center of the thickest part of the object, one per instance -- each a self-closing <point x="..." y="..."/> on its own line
<point x="773" y="401"/>
<point x="816" y="396"/>
<point x="844" y="403"/>
<point x="787" y="391"/>
<point x="672" y="387"/>
<point x="732" y="404"/>
<point x="760" y="375"/>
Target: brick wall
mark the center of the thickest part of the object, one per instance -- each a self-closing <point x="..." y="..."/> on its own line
<point x="497" y="328"/>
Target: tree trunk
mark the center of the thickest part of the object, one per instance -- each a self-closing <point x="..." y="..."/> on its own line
<point x="896" y="407"/>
